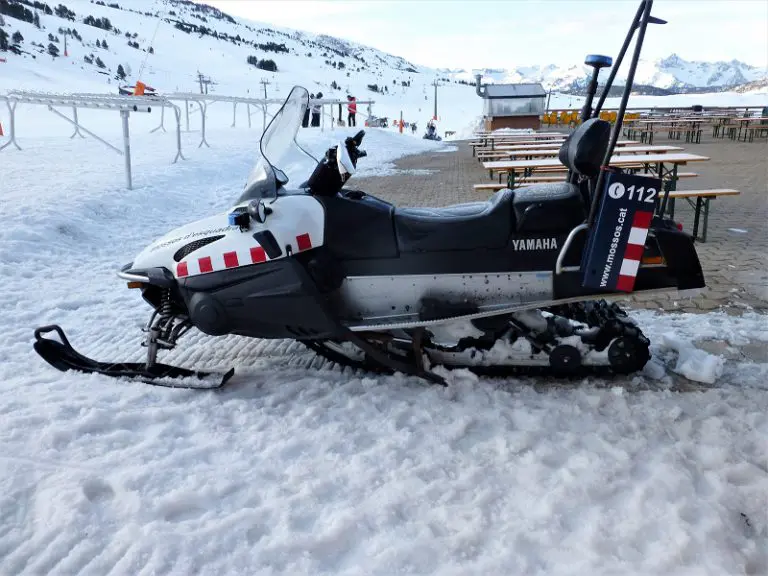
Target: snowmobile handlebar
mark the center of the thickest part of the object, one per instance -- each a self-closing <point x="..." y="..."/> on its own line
<point x="327" y="179"/>
<point x="352" y="144"/>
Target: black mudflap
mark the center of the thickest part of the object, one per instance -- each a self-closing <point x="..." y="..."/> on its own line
<point x="62" y="356"/>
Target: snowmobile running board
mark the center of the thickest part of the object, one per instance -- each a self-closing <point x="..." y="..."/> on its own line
<point x="392" y="324"/>
<point x="62" y="356"/>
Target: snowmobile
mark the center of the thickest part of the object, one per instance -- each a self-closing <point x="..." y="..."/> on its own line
<point x="495" y="286"/>
<point x="431" y="133"/>
<point x="376" y="122"/>
<point x="127" y="90"/>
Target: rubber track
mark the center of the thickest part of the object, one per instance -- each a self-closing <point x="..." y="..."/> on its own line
<point x="609" y="317"/>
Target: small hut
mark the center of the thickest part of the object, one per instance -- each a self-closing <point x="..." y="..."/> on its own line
<point x="511" y="105"/>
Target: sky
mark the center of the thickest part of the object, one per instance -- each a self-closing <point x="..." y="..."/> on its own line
<point x="505" y="33"/>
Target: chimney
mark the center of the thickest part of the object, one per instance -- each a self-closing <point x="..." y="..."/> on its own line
<point x="478" y="88"/>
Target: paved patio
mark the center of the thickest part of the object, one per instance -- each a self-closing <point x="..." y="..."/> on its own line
<point x="734" y="258"/>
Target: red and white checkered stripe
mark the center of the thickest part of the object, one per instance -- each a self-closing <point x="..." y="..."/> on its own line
<point x="634" y="251"/>
<point x="232" y="259"/>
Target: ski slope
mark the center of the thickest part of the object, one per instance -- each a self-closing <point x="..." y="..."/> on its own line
<point x="301" y="468"/>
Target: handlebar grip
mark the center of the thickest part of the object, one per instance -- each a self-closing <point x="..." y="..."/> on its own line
<point x="361" y="153"/>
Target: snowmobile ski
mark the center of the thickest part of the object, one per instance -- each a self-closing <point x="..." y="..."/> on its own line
<point x="62" y="356"/>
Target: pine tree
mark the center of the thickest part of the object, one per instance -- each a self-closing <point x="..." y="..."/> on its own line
<point x="98" y="43"/>
<point x="53" y="50"/>
<point x="3" y="40"/>
<point x="99" y="63"/>
<point x="104" y="45"/>
<point x="120" y="72"/>
<point x="36" y="20"/>
<point x="151" y="50"/>
<point x="17" y="37"/>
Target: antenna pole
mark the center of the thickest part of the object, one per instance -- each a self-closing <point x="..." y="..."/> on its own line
<point x="619" y="58"/>
<point x="434" y="117"/>
<point x="647" y="4"/>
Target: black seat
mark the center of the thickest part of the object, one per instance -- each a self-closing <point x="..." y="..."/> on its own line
<point x="548" y="207"/>
<point x="458" y="227"/>
<point x="560" y="207"/>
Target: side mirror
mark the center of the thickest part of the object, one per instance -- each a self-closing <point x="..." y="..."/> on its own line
<point x="258" y="210"/>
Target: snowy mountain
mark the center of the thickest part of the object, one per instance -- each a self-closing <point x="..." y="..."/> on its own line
<point x="178" y="45"/>
<point x="672" y="74"/>
<point x="175" y="45"/>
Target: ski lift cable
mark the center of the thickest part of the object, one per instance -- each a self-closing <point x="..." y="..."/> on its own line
<point x="151" y="42"/>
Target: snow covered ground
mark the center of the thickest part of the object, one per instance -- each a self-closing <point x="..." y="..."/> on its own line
<point x="300" y="468"/>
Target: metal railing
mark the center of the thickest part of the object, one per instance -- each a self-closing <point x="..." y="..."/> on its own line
<point x="125" y="105"/>
<point x="122" y="104"/>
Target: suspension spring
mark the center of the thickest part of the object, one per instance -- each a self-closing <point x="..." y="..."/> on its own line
<point x="166" y="308"/>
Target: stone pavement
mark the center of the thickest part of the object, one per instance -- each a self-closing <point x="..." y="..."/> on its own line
<point x="734" y="258"/>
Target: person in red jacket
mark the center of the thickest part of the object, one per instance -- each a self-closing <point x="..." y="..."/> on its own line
<point x="352" y="109"/>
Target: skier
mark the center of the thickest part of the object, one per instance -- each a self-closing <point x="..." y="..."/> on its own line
<point x="317" y="108"/>
<point x="352" y="109"/>
<point x="413" y="128"/>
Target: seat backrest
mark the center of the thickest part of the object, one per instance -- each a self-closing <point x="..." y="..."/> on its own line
<point x="583" y="151"/>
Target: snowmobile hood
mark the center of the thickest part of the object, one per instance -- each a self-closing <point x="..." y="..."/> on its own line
<point x="212" y="244"/>
<point x="172" y="247"/>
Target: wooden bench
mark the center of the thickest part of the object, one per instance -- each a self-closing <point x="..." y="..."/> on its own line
<point x="758" y="131"/>
<point x="701" y="205"/>
<point x="540" y="179"/>
<point x="518" y="183"/>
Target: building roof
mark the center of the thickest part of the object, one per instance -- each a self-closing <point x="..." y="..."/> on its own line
<point x="529" y="90"/>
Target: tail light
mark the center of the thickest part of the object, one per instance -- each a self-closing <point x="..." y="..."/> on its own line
<point x="679" y="226"/>
<point x="652" y="260"/>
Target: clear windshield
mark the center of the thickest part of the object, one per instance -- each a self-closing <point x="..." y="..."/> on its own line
<point x="280" y="157"/>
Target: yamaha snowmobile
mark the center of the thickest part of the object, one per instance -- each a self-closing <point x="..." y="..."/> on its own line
<point x="494" y="286"/>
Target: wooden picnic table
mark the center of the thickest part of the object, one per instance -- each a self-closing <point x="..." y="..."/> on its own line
<point x="548" y="145"/>
<point x="533" y="144"/>
<point x="675" y="126"/>
<point x="500" y="151"/>
<point x="543" y="152"/>
<point x="506" y="134"/>
<point x="512" y="138"/>
<point x="658" y="161"/>
<point x="494" y="145"/>
<point x="666" y="121"/>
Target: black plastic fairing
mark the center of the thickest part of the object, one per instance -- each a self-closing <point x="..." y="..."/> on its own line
<point x="358" y="226"/>
<point x="276" y="299"/>
<point x="680" y="254"/>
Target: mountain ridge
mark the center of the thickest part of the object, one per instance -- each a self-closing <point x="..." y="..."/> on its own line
<point x="669" y="75"/>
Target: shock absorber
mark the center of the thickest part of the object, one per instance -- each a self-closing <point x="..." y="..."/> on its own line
<point x="165" y="311"/>
<point x="163" y="322"/>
